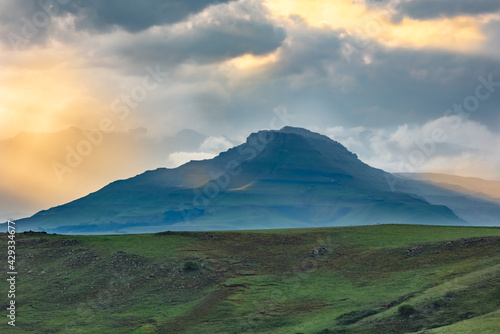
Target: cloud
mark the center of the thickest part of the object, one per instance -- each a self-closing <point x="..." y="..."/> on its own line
<point x="216" y="144"/>
<point x="167" y="32"/>
<point x="133" y="16"/>
<point x="219" y="33"/>
<point x="26" y="23"/>
<point x="491" y="46"/>
<point x="179" y="158"/>
<point x="313" y="79"/>
<point x="208" y="149"/>
<point x="367" y="22"/>
<point x="23" y="22"/>
<point x="97" y="16"/>
<point x="430" y="9"/>
<point x="449" y="144"/>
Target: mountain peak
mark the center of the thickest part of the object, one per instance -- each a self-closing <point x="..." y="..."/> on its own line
<point x="278" y="136"/>
<point x="302" y="132"/>
<point x="296" y="131"/>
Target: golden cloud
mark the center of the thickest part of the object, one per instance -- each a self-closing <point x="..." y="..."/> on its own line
<point x="461" y="33"/>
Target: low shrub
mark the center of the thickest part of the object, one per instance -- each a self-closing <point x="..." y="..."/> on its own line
<point x="406" y="310"/>
<point x="191" y="266"/>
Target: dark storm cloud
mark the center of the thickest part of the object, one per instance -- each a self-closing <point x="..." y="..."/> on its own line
<point x="429" y="9"/>
<point x="415" y="86"/>
<point x="203" y="43"/>
<point x="29" y="22"/>
<point x="396" y="86"/>
<point x="133" y="15"/>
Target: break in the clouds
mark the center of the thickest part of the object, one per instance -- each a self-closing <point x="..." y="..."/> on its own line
<point x="376" y="75"/>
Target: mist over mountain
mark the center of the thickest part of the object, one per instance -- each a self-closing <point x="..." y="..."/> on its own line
<point x="42" y="177"/>
<point x="488" y="190"/>
<point x="472" y="199"/>
<point x="284" y="178"/>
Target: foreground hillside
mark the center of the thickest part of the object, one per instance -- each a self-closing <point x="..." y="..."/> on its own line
<point x="366" y="279"/>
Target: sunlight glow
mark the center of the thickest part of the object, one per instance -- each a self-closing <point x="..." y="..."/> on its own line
<point x="461" y="33"/>
<point x="250" y="61"/>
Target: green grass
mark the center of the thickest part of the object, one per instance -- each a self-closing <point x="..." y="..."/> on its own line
<point x="318" y="280"/>
<point x="485" y="324"/>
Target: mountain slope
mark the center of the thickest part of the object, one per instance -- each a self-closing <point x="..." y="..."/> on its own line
<point x="276" y="179"/>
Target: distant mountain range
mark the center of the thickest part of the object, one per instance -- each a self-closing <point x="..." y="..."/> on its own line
<point x="284" y="178"/>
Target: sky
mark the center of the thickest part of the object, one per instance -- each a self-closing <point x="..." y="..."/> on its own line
<point x="94" y="91"/>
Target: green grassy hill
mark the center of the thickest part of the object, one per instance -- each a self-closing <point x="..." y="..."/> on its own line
<point x="365" y="279"/>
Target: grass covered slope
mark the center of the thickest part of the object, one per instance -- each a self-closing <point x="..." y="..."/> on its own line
<point x="366" y="279"/>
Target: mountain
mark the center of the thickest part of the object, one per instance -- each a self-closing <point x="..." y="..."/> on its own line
<point x="277" y="179"/>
